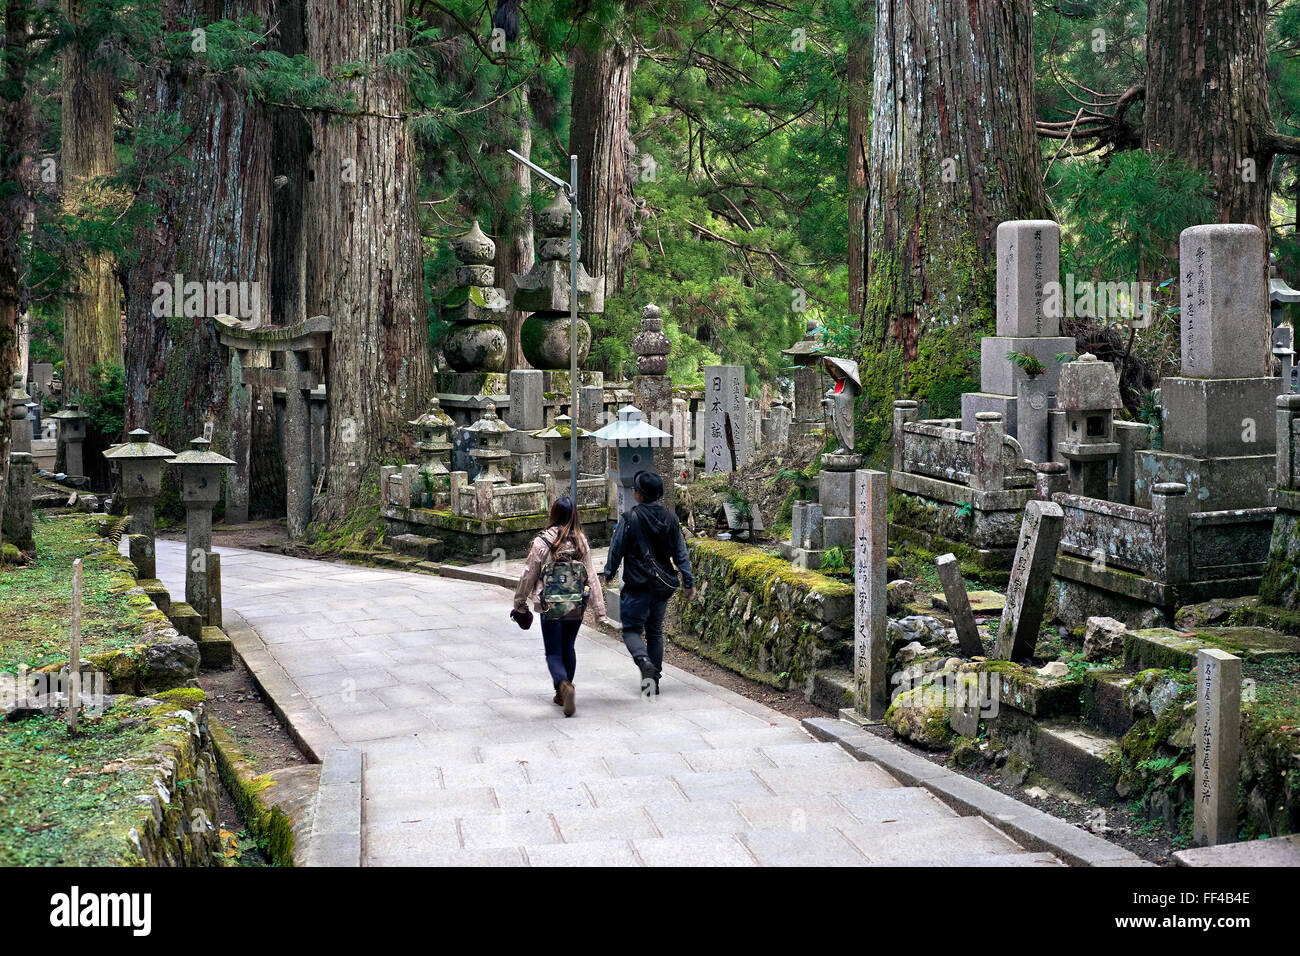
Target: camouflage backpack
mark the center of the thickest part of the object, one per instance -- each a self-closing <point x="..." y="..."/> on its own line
<point x="564" y="589"/>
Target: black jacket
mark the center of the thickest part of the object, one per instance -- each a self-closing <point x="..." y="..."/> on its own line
<point x="663" y="534"/>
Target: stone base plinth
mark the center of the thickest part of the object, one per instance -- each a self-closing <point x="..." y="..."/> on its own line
<point x="1220" y="417"/>
<point x="474" y="540"/>
<point x="1213" y="484"/>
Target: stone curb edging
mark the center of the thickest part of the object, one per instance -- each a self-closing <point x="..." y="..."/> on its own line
<point x="336" y="824"/>
<point x="335" y="838"/>
<point x="1033" y="829"/>
<point x="510" y="581"/>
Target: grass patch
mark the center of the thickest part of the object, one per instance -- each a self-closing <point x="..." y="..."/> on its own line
<point x="36" y="600"/>
<point x="57" y="806"/>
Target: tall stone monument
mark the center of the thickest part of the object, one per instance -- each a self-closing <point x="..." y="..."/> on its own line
<point x="870" y="634"/>
<point x="725" y="444"/>
<point x="652" y="392"/>
<point x="835" y="482"/>
<point x="809" y="382"/>
<point x="1029" y="325"/>
<point x="1218" y="436"/>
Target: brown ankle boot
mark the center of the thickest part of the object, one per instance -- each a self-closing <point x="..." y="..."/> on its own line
<point x="566" y="696"/>
<point x="558" y="699"/>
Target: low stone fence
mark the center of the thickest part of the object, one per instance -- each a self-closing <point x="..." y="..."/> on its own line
<point x="1141" y="564"/>
<point x="958" y="490"/>
<point x="757" y="615"/>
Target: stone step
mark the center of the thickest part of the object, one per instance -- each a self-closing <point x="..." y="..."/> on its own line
<point x="1164" y="647"/>
<point x="1274" y="851"/>
<point x="1075" y="755"/>
<point x="1104" y="705"/>
<point x="186" y="620"/>
<point x="215" y="649"/>
<point x="830" y="689"/>
<point x="417" y="546"/>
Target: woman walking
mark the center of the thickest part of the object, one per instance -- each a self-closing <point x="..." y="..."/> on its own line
<point x="560" y="580"/>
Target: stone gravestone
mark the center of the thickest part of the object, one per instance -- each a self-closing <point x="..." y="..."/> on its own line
<point x="1218" y="746"/>
<point x="1220" y="267"/>
<point x="1031" y="576"/>
<point x="870" y="638"/>
<point x="725" y="447"/>
<point x="17" y="521"/>
<point x="963" y="619"/>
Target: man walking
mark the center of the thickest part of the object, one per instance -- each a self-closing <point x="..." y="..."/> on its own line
<point x="649" y="543"/>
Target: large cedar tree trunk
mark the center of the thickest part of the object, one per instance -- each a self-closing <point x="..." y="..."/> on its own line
<point x="92" y="317"/>
<point x="363" y="257"/>
<point x="213" y="225"/>
<point x="514" y="225"/>
<point x="1207" y="97"/>
<point x="858" y="95"/>
<point x="953" y="154"/>
<point x="17" y="144"/>
<point x="599" y="137"/>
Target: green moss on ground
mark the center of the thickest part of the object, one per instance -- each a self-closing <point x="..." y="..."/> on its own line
<point x="36" y="600"/>
<point x="70" y="800"/>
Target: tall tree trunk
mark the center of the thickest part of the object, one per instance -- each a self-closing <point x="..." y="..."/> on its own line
<point x="953" y="154"/>
<point x="362" y="244"/>
<point x="514" y="225"/>
<point x="291" y="142"/>
<point x="92" y="318"/>
<point x="858" y="96"/>
<point x="17" y="143"/>
<point x="212" y="227"/>
<point x="599" y="137"/>
<point x="1207" y="98"/>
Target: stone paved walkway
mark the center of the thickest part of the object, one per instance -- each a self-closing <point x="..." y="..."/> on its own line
<point x="467" y="761"/>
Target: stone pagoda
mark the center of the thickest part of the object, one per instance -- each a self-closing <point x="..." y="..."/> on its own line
<point x="544" y="291"/>
<point x="433" y="428"/>
<point x="475" y="342"/>
<point x="809" y="382"/>
<point x="1023" y="390"/>
<point x="1088" y="398"/>
<point x="1216" y="434"/>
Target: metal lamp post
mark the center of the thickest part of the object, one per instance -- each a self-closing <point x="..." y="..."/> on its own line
<point x="571" y="191"/>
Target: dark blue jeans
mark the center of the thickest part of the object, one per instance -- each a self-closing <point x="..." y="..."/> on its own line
<point x="561" y="656"/>
<point x="642" y="618"/>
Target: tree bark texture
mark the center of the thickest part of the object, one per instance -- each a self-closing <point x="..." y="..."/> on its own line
<point x="1207" y="98"/>
<point x="858" y="95"/>
<point x="213" y="225"/>
<point x="514" y="226"/>
<point x="953" y="154"/>
<point x="92" y="317"/>
<point x="17" y="145"/>
<point x="599" y="137"/>
<point x="363" y="256"/>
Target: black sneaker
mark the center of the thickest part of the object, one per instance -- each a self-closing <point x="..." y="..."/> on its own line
<point x="648" y="669"/>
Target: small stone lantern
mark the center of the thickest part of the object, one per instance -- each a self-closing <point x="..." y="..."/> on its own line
<point x="635" y="440"/>
<point x="72" y="432"/>
<point x="200" y="472"/>
<point x="20" y="432"/>
<point x="490" y="433"/>
<point x="1088" y="394"/>
<point x="558" y="460"/>
<point x="140" y="463"/>
<point x="434" y="427"/>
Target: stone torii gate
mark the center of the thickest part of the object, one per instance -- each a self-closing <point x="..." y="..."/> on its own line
<point x="251" y="358"/>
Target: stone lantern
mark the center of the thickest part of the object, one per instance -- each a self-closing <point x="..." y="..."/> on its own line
<point x="559" y="453"/>
<point x="20" y="432"/>
<point x="1088" y="394"/>
<point x="140" y="463"/>
<point x="200" y="472"/>
<point x="490" y="433"/>
<point x="635" y="440"/>
<point x="72" y="432"/>
<point x="433" y="427"/>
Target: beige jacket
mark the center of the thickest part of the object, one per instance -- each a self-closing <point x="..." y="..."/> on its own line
<point x="539" y="555"/>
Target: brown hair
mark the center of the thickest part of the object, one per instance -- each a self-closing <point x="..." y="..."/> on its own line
<point x="565" y="517"/>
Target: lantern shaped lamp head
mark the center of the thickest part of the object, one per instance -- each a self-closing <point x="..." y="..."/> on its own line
<point x="635" y="440"/>
<point x="72" y="423"/>
<point x="18" y="398"/>
<point x="140" y="462"/>
<point x="490" y="433"/>
<point x="200" y="469"/>
<point x="1088" y="394"/>
<point x="557" y="440"/>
